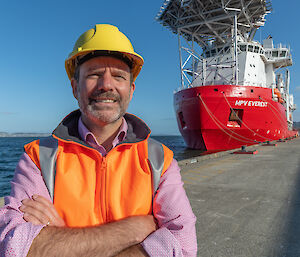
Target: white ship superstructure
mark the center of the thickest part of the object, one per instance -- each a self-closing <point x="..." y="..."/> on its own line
<point x="258" y="65"/>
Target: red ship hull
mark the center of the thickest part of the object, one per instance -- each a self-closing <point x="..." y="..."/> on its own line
<point x="223" y="117"/>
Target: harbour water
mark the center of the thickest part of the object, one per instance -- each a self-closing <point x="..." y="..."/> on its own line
<point x="11" y="148"/>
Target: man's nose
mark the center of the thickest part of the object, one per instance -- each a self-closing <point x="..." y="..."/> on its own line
<point x="106" y="82"/>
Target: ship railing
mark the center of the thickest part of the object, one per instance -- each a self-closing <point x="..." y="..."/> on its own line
<point x="252" y="83"/>
<point x="221" y="82"/>
<point x="162" y="9"/>
<point x="280" y="52"/>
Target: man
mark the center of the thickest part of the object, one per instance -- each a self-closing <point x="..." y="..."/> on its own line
<point x="89" y="190"/>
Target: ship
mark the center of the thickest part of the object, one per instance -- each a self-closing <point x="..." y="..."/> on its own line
<point x="234" y="90"/>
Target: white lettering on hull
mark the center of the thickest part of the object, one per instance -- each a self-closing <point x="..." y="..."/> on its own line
<point x="250" y="103"/>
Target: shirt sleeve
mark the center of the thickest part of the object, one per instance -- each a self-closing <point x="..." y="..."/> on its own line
<point x="176" y="235"/>
<point x="16" y="235"/>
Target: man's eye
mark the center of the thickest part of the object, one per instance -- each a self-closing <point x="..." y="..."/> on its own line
<point x="93" y="75"/>
<point x="119" y="76"/>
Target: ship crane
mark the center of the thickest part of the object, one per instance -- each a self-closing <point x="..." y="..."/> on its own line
<point x="228" y="80"/>
<point x="217" y="27"/>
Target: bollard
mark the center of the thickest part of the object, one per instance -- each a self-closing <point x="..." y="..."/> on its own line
<point x="244" y="151"/>
<point x="267" y="143"/>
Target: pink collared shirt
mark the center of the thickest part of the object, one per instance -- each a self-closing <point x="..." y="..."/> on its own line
<point x="176" y="235"/>
<point x="91" y="140"/>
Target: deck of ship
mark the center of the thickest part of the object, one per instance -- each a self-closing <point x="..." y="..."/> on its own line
<point x="246" y="205"/>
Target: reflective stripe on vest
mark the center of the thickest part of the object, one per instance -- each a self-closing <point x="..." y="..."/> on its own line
<point x="48" y="150"/>
<point x="156" y="161"/>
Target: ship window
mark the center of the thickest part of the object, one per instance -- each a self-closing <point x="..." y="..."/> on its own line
<point x="250" y="48"/>
<point x="283" y="54"/>
<point x="236" y="115"/>
<point x="262" y="51"/>
<point x="243" y="48"/>
<point x="256" y="49"/>
<point x="226" y="49"/>
<point x="207" y="54"/>
<point x="274" y="53"/>
<point x="219" y="50"/>
<point x="213" y="52"/>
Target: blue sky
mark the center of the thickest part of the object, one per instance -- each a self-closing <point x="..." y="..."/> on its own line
<point x="37" y="36"/>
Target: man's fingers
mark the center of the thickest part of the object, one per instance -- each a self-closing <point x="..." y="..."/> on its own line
<point x="55" y="218"/>
<point x="34" y="214"/>
<point x="34" y="204"/>
<point x="42" y="200"/>
<point x="42" y="205"/>
<point x="47" y="204"/>
<point x="29" y="218"/>
<point x="42" y="210"/>
<point x="38" y="210"/>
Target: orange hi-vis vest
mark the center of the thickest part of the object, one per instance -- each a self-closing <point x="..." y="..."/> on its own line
<point x="89" y="189"/>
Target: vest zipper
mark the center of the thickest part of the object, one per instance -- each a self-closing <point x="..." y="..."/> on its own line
<point x="104" y="190"/>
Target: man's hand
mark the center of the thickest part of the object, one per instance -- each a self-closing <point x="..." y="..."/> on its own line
<point x="40" y="211"/>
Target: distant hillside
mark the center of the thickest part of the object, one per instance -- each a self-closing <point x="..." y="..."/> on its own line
<point x="5" y="134"/>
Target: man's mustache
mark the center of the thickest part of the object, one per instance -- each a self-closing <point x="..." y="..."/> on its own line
<point x="108" y="95"/>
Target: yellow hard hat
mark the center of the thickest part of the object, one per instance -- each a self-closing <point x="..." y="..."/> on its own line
<point x="106" y="38"/>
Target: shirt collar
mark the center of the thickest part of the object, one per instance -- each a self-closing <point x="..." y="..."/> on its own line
<point x="89" y="138"/>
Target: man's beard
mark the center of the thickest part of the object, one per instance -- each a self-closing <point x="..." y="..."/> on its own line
<point x="104" y="115"/>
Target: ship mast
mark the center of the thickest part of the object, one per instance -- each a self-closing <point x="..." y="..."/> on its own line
<point x="201" y="24"/>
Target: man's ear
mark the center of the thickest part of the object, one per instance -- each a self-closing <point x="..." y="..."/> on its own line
<point x="132" y="90"/>
<point x="74" y="84"/>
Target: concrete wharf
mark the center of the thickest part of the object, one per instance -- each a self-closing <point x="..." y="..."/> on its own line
<point x="246" y="205"/>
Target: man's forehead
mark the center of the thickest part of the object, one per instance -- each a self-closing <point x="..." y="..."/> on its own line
<point x="105" y="61"/>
